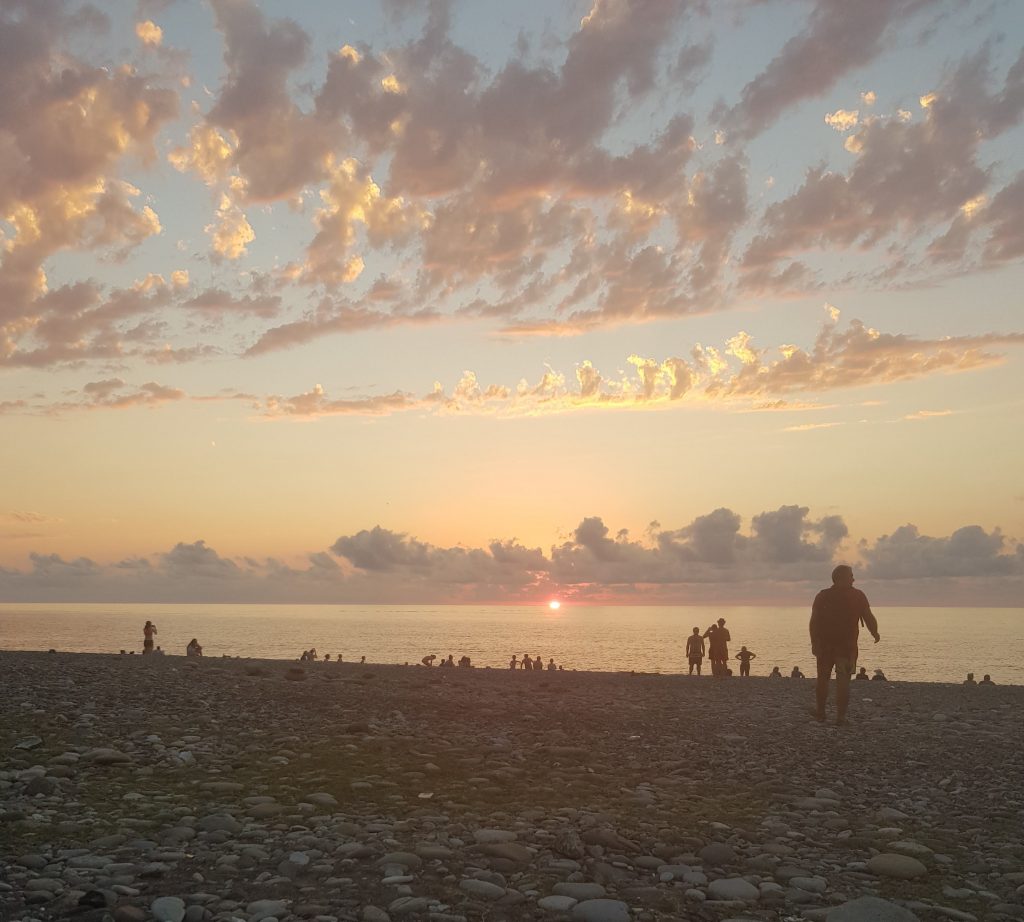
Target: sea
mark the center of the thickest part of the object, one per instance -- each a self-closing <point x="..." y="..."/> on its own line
<point x="918" y="644"/>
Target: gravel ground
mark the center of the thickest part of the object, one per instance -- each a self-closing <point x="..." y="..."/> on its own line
<point x="183" y="791"/>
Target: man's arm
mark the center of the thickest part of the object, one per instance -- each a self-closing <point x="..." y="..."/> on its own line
<point x="815" y="624"/>
<point x="870" y="621"/>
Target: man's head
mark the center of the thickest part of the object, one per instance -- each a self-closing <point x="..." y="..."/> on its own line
<point x="842" y="575"/>
<point x="696" y="630"/>
<point x="721" y="622"/>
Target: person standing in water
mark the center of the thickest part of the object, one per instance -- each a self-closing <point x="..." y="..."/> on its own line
<point x="836" y="617"/>
<point x="149" y="631"/>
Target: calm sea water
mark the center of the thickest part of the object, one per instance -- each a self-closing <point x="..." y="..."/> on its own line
<point x="918" y="644"/>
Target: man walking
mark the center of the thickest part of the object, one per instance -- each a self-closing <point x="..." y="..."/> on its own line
<point x="836" y="617"/>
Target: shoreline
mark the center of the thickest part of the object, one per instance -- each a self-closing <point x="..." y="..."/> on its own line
<point x="375" y="791"/>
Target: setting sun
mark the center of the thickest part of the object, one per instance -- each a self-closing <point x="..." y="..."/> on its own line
<point x="554" y="605"/>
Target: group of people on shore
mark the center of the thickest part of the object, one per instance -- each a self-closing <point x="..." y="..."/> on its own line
<point x="151" y="648"/>
<point x="536" y="664"/>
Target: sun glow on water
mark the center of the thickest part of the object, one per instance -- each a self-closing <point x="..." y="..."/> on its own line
<point x="554" y="605"/>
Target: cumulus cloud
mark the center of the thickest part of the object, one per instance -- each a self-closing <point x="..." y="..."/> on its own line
<point x="783" y="554"/>
<point x="738" y="373"/>
<point x="970" y="551"/>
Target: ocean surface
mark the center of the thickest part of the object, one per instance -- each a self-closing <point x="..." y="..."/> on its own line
<point x="918" y="644"/>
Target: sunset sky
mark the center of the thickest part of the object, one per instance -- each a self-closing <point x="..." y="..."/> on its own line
<point x="414" y="301"/>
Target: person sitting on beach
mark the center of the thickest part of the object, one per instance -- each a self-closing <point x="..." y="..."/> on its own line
<point x="551" y="665"/>
<point x="695" y="650"/>
<point x="158" y="651"/>
<point x="337" y="657"/>
<point x="538" y="663"/>
<point x="527" y="662"/>
<point x="745" y="656"/>
<point x="879" y="676"/>
<point x="970" y="679"/>
<point x="836" y="617"/>
<point x="986" y="679"/>
<point x="450" y="662"/>
<point x="863" y="676"/>
<point x="776" y="673"/>
<point x="465" y="662"/>
<point x="327" y="657"/>
<point x="797" y="674"/>
<point x="428" y="660"/>
<point x="148" y="632"/>
<point x="193" y="648"/>
<point x="513" y="663"/>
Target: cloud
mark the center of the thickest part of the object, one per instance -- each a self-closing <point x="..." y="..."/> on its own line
<point x="149" y="33"/>
<point x="737" y="374"/>
<point x="968" y="552"/>
<point x="838" y="38"/>
<point x="784" y="554"/>
<point x="907" y="178"/>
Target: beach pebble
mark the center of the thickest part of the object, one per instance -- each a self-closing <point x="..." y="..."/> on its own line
<point x="717" y="854"/>
<point x="579" y="891"/>
<point x="556" y="903"/>
<point x="601" y="911"/>
<point x="733" y="888"/>
<point x="902" y="867"/>
<point x="374" y="914"/>
<point x="870" y="909"/>
<point x="483" y="889"/>
<point x="168" y="909"/>
<point x="492" y="836"/>
<point x="266" y="909"/>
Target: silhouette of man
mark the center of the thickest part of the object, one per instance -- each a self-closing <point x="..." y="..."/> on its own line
<point x="836" y="617"/>
<point x="718" y="647"/>
<point x="695" y="650"/>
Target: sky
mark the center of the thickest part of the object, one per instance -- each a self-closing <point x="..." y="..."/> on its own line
<point x="661" y="301"/>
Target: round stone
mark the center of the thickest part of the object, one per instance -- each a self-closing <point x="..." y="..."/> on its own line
<point x="717" y="853"/>
<point x="556" y="903"/>
<point x="870" y="909"/>
<point x="482" y="889"/>
<point x="168" y="909"/>
<point x="902" y="867"/>
<point x="601" y="911"/>
<point x="733" y="888"/>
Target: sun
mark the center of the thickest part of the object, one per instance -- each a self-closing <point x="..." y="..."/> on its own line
<point x="554" y="605"/>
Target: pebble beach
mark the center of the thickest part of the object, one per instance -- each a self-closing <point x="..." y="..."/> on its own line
<point x="158" y="788"/>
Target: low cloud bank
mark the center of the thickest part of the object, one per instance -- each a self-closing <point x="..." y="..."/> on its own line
<point x="782" y="557"/>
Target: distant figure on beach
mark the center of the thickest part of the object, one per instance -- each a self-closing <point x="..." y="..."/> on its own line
<point x="362" y="659"/>
<point x="695" y="650"/>
<point x="776" y="673"/>
<point x="970" y="679"/>
<point x="551" y="665"/>
<point x="527" y="662"/>
<point x="513" y="663"/>
<point x="450" y="662"/>
<point x="879" y="676"/>
<point x="149" y="631"/>
<point x="745" y="656"/>
<point x="718" y="647"/>
<point x="193" y="648"/>
<point x="986" y="679"/>
<point x="836" y="616"/>
<point x="327" y="657"/>
<point x="538" y="664"/>
<point x="312" y="654"/>
<point x="862" y="675"/>
<point x="157" y="652"/>
<point x="465" y="662"/>
<point x="797" y="674"/>
<point x="428" y="660"/>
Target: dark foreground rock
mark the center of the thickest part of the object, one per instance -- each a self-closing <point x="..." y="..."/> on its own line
<point x="136" y="789"/>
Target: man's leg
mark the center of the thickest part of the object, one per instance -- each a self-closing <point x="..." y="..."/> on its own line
<point x="842" y="690"/>
<point x="825" y="664"/>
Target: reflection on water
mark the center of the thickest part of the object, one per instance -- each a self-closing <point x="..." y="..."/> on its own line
<point x="921" y="644"/>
